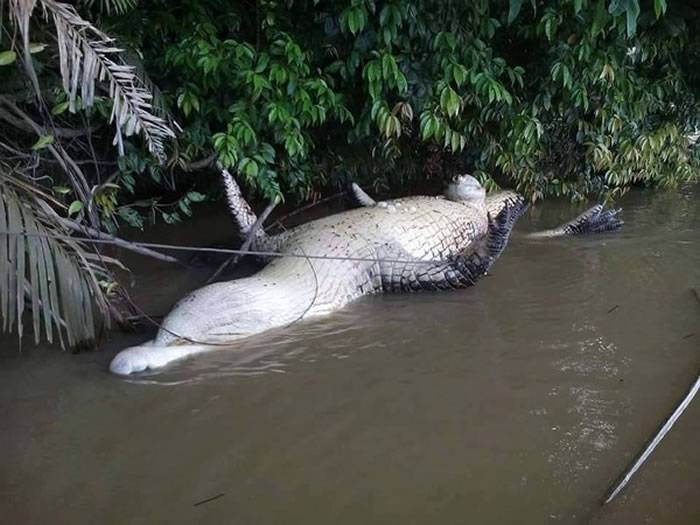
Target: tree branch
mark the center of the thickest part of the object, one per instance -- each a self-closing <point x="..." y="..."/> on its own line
<point x="250" y="238"/>
<point x="78" y="179"/>
<point x="58" y="132"/>
<point x="97" y="234"/>
<point x="198" y="164"/>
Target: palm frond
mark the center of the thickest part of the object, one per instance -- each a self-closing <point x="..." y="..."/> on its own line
<point x="88" y="55"/>
<point x="117" y="7"/>
<point x="44" y="271"/>
<point x="21" y="11"/>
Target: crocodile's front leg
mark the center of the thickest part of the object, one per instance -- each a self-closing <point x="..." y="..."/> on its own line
<point x="461" y="270"/>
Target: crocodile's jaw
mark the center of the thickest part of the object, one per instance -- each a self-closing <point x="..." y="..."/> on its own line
<point x="151" y="355"/>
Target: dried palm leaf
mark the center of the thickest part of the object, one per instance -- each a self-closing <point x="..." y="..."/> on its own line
<point x="44" y="271"/>
<point x="118" y="7"/>
<point x="22" y="12"/>
<point x="88" y="55"/>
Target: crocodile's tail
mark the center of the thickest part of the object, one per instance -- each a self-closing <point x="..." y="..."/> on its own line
<point x="597" y="219"/>
<point x="361" y="196"/>
<point x="242" y="213"/>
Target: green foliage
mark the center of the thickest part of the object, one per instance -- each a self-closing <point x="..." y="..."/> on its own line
<point x="561" y="97"/>
<point x="254" y="107"/>
<point x="7" y="57"/>
<point x="555" y="97"/>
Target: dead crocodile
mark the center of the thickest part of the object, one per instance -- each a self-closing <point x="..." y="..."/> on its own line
<point x="407" y="244"/>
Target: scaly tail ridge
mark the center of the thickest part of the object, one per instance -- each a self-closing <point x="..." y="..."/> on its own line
<point x="242" y="213"/>
<point x="361" y="196"/>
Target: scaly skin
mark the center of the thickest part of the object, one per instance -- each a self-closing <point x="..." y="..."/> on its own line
<point x="457" y="236"/>
<point x="289" y="288"/>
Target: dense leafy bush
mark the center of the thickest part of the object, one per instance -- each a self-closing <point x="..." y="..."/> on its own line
<point x="552" y="97"/>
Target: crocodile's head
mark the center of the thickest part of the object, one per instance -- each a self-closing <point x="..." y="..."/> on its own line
<point x="465" y="188"/>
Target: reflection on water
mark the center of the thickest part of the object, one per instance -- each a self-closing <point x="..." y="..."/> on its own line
<point x="594" y="412"/>
<point x="517" y="401"/>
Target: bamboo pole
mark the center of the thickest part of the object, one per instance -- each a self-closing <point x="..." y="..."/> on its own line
<point x="641" y="458"/>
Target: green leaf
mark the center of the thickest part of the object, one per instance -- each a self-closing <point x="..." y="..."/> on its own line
<point x="131" y="216"/>
<point x="600" y="18"/>
<point x="171" y="218"/>
<point x="356" y="19"/>
<point x="459" y="73"/>
<point x="74" y="208"/>
<point x="514" y="10"/>
<point x="450" y="102"/>
<point x="566" y="74"/>
<point x="660" y="7"/>
<point x="631" y="10"/>
<point x="7" y="58"/>
<point x="401" y="82"/>
<point x="454" y="143"/>
<point x="36" y="47"/>
<point x="60" y="108"/>
<point x="251" y="168"/>
<point x="184" y="207"/>
<point x="43" y="142"/>
<point x="388" y="66"/>
<point x="195" y="196"/>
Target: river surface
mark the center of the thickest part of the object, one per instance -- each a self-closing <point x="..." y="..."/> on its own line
<point x="519" y="400"/>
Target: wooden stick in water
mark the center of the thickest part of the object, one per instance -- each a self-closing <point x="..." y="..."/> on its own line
<point x="655" y="441"/>
<point x="247" y="243"/>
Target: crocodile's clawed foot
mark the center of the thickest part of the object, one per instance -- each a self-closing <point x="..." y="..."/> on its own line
<point x="597" y="219"/>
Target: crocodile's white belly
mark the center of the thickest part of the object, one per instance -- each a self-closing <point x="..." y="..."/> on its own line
<point x="361" y="247"/>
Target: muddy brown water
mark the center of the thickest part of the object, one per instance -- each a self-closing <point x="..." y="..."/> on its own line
<point x="519" y="400"/>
